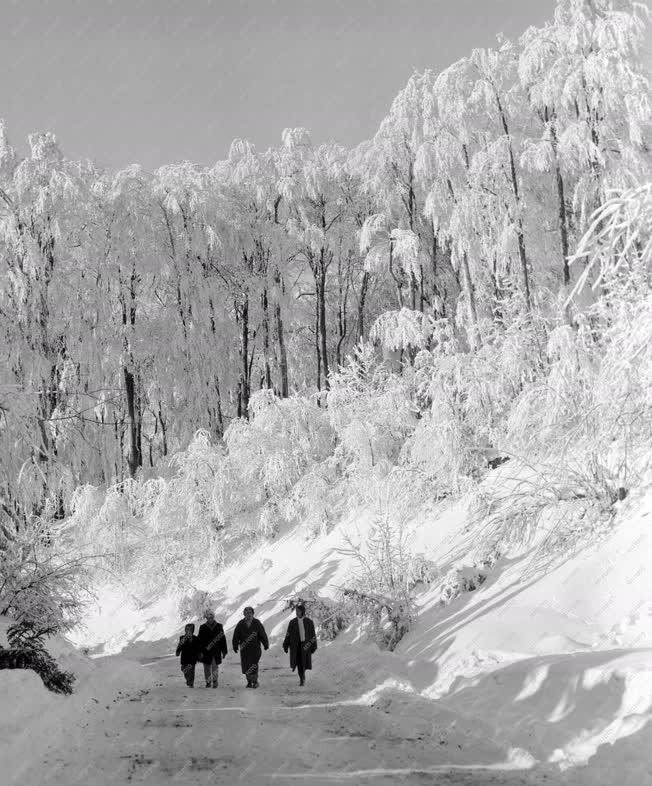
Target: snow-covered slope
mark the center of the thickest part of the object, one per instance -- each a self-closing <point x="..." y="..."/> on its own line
<point x="550" y="658"/>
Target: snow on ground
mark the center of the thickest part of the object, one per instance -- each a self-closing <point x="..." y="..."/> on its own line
<point x="278" y="734"/>
<point x="32" y="716"/>
<point x="544" y="669"/>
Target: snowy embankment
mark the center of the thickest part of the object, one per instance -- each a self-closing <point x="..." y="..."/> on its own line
<point x="32" y="716"/>
<point x="548" y="659"/>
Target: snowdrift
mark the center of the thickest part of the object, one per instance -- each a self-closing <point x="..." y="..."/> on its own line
<point x="31" y="715"/>
<point x="550" y="657"/>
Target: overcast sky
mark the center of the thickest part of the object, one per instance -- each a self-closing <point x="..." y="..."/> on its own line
<point x="157" y="81"/>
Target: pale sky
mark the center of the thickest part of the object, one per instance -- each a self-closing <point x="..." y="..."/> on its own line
<point x="157" y="81"/>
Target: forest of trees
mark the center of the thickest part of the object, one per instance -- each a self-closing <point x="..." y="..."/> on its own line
<point x="137" y="307"/>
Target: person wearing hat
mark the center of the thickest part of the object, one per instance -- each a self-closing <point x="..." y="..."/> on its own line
<point x="301" y="642"/>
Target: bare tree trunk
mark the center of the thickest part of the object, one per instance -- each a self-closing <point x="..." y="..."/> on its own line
<point x="561" y="203"/>
<point x="120" y="470"/>
<point x="364" y="287"/>
<point x="53" y="351"/>
<point x="280" y="335"/>
<point x="215" y="420"/>
<point x="411" y="212"/>
<point x="397" y="281"/>
<point x="244" y="385"/>
<point x="282" y="350"/>
<point x="268" y="370"/>
<point x="139" y="416"/>
<point x="342" y="328"/>
<point x="520" y="237"/>
<point x="497" y="309"/>
<point x="422" y="294"/>
<point x="470" y="293"/>
<point x="563" y="225"/>
<point x="344" y="283"/>
<point x="164" y="431"/>
<point x="134" y="453"/>
<point x="561" y="200"/>
<point x="216" y="379"/>
<point x="321" y="295"/>
<point x="317" y="345"/>
<point x="133" y="420"/>
<point x="435" y="289"/>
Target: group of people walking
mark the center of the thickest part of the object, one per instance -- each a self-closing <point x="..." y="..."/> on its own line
<point x="249" y="637"/>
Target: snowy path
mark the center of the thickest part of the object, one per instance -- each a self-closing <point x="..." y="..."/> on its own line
<point x="278" y="734"/>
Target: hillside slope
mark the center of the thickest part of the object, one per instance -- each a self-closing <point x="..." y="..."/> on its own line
<point x="549" y="658"/>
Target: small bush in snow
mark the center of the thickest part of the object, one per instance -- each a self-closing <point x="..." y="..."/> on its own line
<point x="193" y="605"/>
<point x="459" y="581"/>
<point x="330" y="617"/>
<point x="380" y="586"/>
<point x="422" y="571"/>
<point x="27" y="651"/>
<point x="467" y="579"/>
<point x="389" y="618"/>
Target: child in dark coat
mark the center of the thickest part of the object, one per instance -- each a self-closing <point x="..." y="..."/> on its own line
<point x="188" y="648"/>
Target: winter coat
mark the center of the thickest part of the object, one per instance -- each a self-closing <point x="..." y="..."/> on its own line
<point x="212" y="642"/>
<point x="248" y="641"/>
<point x="292" y="642"/>
<point x="188" y="648"/>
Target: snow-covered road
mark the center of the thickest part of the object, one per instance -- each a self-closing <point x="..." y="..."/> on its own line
<point x="278" y="734"/>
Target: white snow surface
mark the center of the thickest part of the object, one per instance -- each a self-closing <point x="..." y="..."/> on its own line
<point x="545" y="670"/>
<point x="32" y="717"/>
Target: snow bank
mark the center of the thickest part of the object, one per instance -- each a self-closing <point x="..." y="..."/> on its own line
<point x="24" y="699"/>
<point x="561" y="708"/>
<point x="32" y="716"/>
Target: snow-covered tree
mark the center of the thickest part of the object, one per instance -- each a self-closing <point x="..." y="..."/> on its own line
<point x="589" y="97"/>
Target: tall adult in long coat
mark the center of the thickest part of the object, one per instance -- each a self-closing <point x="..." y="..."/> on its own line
<point x="211" y="641"/>
<point x="248" y="636"/>
<point x="301" y="642"/>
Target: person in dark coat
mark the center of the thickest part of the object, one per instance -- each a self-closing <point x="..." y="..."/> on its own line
<point x="188" y="648"/>
<point x="212" y="646"/>
<point x="249" y="634"/>
<point x="301" y="641"/>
